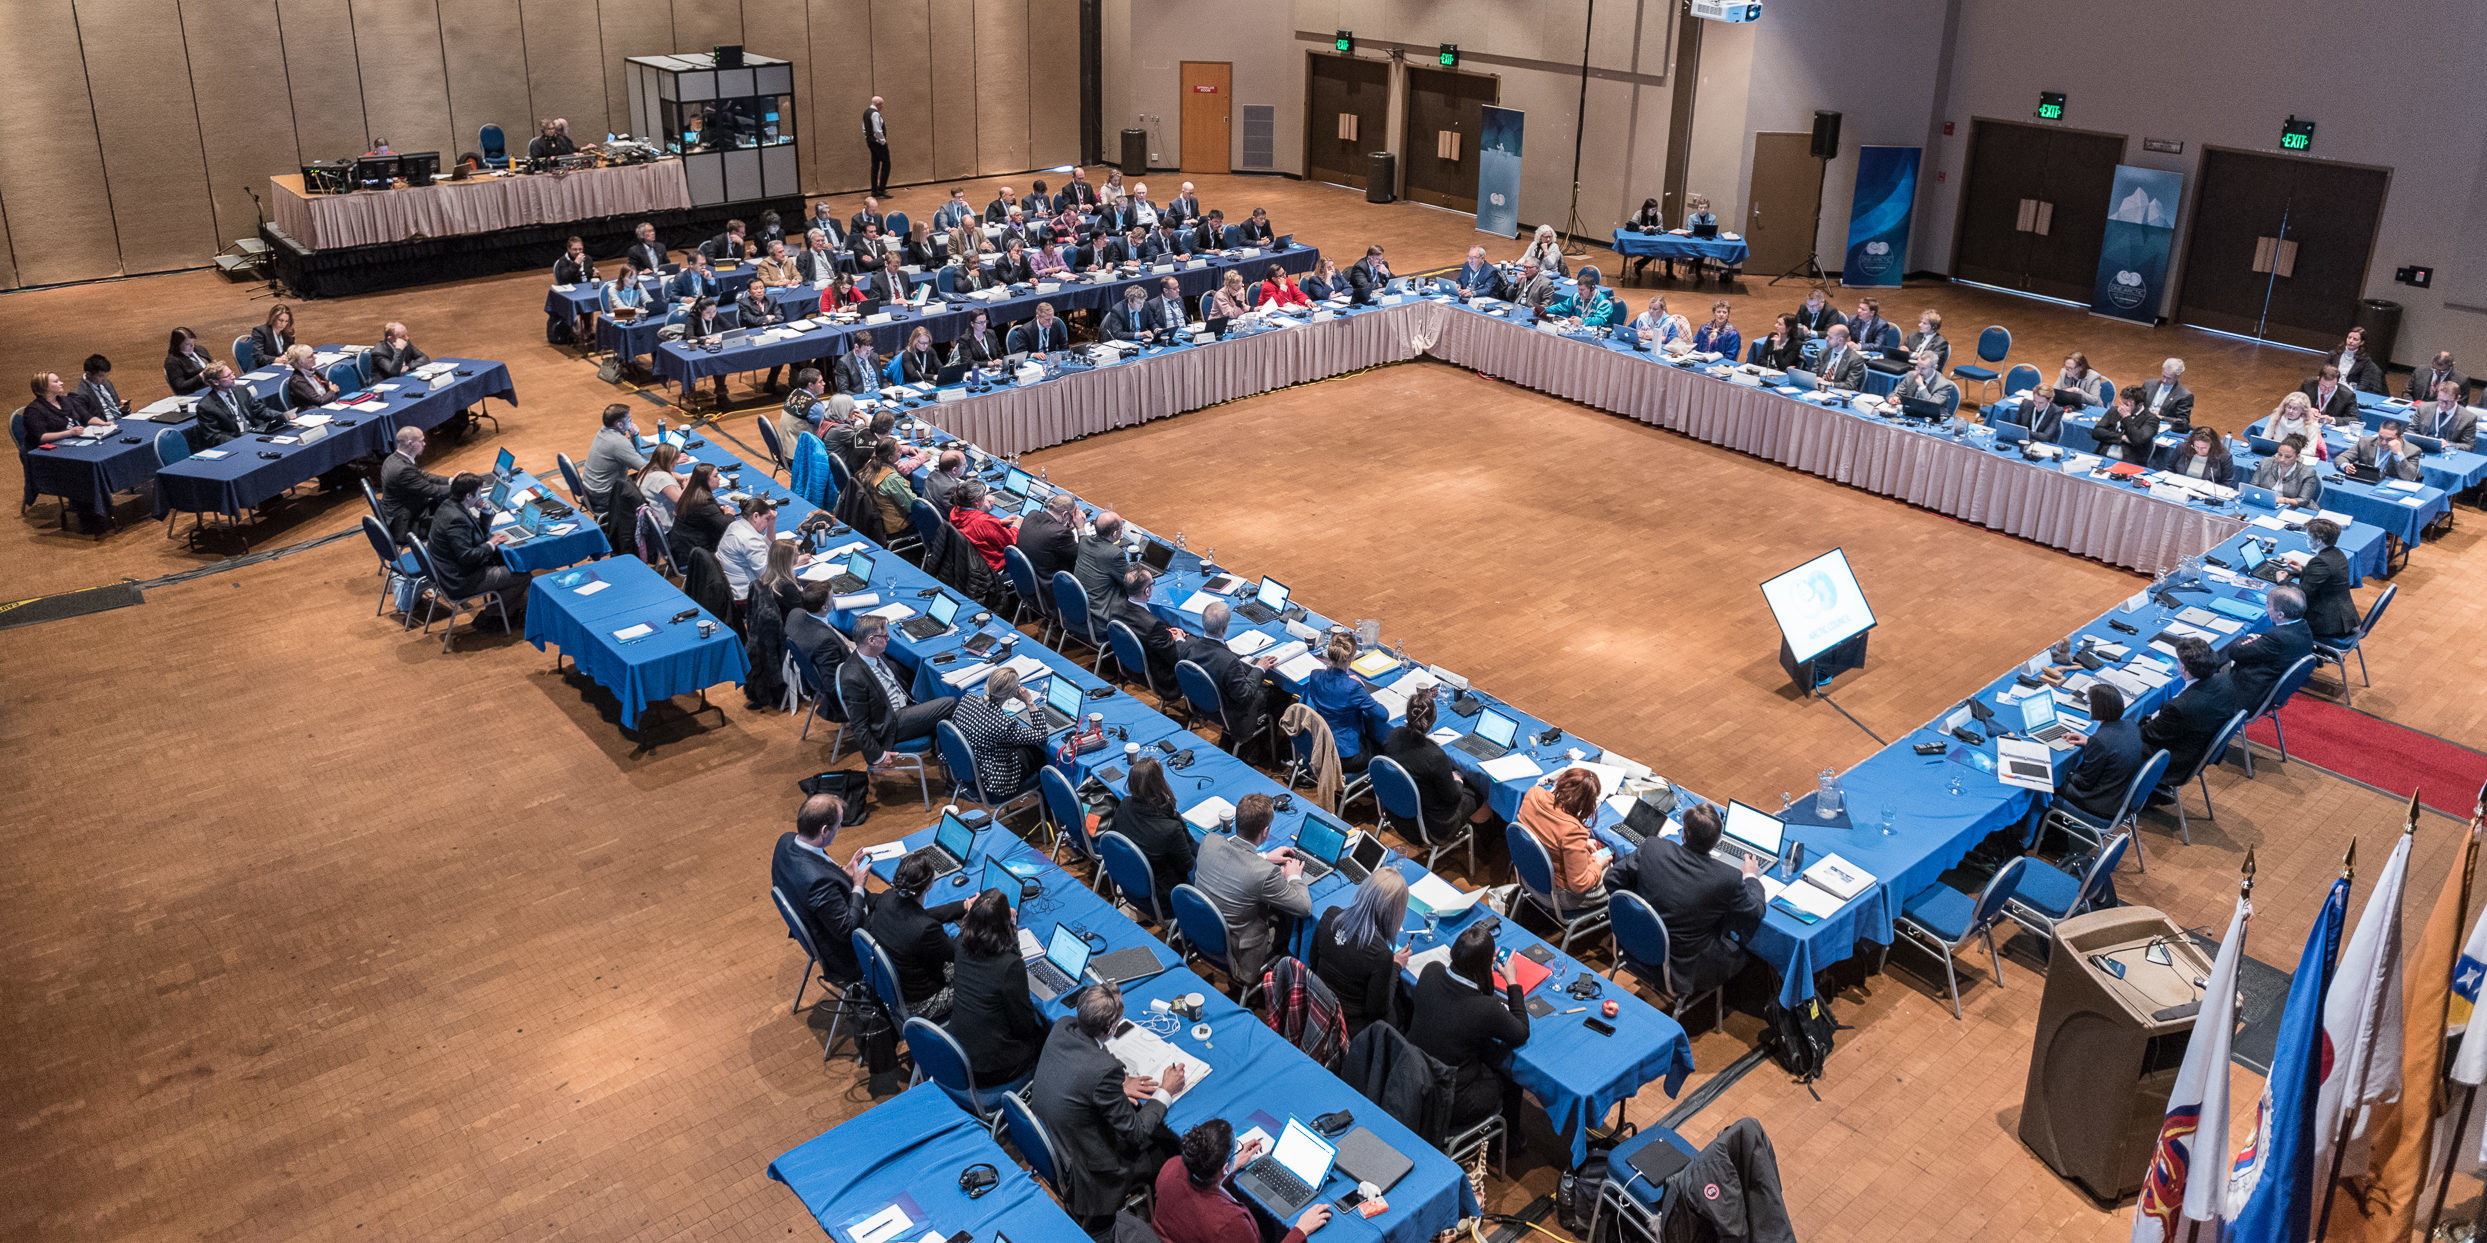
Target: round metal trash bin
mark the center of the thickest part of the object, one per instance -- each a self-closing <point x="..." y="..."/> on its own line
<point x="1381" y="178"/>
<point x="1135" y="161"/>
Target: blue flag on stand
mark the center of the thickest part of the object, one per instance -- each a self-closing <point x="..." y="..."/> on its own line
<point x="2271" y="1189"/>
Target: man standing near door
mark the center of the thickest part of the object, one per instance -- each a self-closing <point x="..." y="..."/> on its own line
<point x="876" y="140"/>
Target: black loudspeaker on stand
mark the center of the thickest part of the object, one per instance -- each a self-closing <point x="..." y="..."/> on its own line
<point x="1824" y="150"/>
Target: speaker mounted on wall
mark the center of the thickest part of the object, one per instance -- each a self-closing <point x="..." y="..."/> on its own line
<point x="1825" y="135"/>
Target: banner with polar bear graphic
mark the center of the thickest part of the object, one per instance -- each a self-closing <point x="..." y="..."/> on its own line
<point x="1878" y="217"/>
<point x="2141" y="230"/>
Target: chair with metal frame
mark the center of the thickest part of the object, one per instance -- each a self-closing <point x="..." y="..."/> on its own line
<point x="938" y="1057"/>
<point x="437" y="593"/>
<point x="814" y="965"/>
<point x="903" y="755"/>
<point x="1535" y="871"/>
<point x="1641" y="942"/>
<point x="1943" y="920"/>
<point x="2281" y="692"/>
<point x="1064" y="814"/>
<point x="2082" y="826"/>
<point x="2336" y="651"/>
<point x="1134" y="880"/>
<point x="2200" y="775"/>
<point x="2049" y="894"/>
<point x="1071" y="608"/>
<point x="1402" y="806"/>
<point x="1204" y="937"/>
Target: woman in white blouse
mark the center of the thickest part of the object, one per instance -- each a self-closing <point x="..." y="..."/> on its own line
<point x="2295" y="416"/>
<point x="1655" y="327"/>
<point x="660" y="485"/>
<point x="1547" y="251"/>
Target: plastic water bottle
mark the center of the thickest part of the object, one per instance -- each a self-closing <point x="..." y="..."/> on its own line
<point x="1827" y="796"/>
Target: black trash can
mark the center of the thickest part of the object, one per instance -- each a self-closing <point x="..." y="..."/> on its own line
<point x="1135" y="153"/>
<point x="1381" y="178"/>
<point x="2381" y="318"/>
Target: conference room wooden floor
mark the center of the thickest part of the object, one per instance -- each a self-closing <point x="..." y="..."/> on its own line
<point x="311" y="930"/>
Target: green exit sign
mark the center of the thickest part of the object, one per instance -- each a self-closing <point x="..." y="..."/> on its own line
<point x="1345" y="42"/>
<point x="2051" y="105"/>
<point x="1450" y="55"/>
<point x="2296" y="135"/>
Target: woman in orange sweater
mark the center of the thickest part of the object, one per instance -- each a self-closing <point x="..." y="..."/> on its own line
<point x="1559" y="819"/>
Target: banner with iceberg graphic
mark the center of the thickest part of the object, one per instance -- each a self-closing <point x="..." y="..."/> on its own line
<point x="2141" y="230"/>
<point x="1498" y="172"/>
<point x="1878" y="217"/>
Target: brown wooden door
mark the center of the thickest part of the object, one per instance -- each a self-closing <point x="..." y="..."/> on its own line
<point x="2307" y="225"/>
<point x="1208" y="131"/>
<point x="1778" y="214"/>
<point x="2033" y="207"/>
<point x="1445" y="113"/>
<point x="1343" y="86"/>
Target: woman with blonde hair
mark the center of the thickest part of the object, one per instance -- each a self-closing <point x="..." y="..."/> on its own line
<point x="1547" y="250"/>
<point x="660" y="485"/>
<point x="2295" y="416"/>
<point x="1656" y="327"/>
<point x="1358" y="723"/>
<point x="1230" y="300"/>
<point x="1002" y="731"/>
<point x="305" y="387"/>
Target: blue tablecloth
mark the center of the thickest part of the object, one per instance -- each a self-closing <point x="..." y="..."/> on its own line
<point x="89" y="475"/>
<point x="674" y="660"/>
<point x="585" y="540"/>
<point x="1634" y="244"/>
<point x="908" y="1151"/>
<point x="2453" y="470"/>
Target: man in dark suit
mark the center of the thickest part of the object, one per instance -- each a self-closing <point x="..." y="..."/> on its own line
<point x="225" y="409"/>
<point x="1709" y="907"/>
<point x="468" y="554"/>
<point x="876" y="143"/>
<point x="729" y="246"/>
<point x="2422" y="382"/>
<point x="1185" y="205"/>
<point x="2441" y="415"/>
<point x="1242" y="684"/>
<point x="869" y="214"/>
<point x="1036" y="204"/>
<point x="1157" y="639"/>
<point x="882" y="713"/>
<point x="408" y="493"/>
<point x="2167" y="396"/>
<point x="1100" y="564"/>
<point x="1167" y="243"/>
<point x="1078" y="191"/>
<point x="1369" y="276"/>
<point x="828" y="897"/>
<point x="2385" y="451"/>
<point x="1839" y="365"/>
<point x="1133" y="247"/>
<point x="1817" y="314"/>
<point x="1867" y="326"/>
<point x="1043" y="333"/>
<point x="1050" y="540"/>
<point x="1109" y="1135"/>
<point x="2111" y="753"/>
<point x="865" y="247"/>
<point x="1130" y="319"/>
<point x="817" y="262"/>
<point x="1166" y="310"/>
<point x="1209" y="232"/>
<point x="1478" y="278"/>
<point x="2334" y="399"/>
<point x="2256" y="663"/>
<point x="2186" y="725"/>
<point x="1257" y="230"/>
<point x="2041" y="414"/>
<point x="998" y="210"/>
<point x="645" y="250"/>
<point x="2331" y="613"/>
<point x="826" y="220"/>
<point x="857" y="372"/>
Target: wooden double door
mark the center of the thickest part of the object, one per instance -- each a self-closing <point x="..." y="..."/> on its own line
<point x="1347" y="102"/>
<point x="2033" y="207"/>
<point x="1444" y="118"/>
<point x="2279" y="246"/>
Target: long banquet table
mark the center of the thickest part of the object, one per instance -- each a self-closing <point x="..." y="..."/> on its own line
<point x="482" y="204"/>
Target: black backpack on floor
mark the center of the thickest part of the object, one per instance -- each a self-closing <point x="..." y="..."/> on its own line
<point x="1799" y="1039"/>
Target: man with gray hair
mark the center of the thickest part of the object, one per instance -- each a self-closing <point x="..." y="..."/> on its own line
<point x="2257" y="662"/>
<point x="408" y="493"/>
<point x="1241" y="685"/>
<point x="2167" y="397"/>
<point x="1049" y="539"/>
<point x="1109" y="1134"/>
<point x="949" y="471"/>
<point x="1101" y="564"/>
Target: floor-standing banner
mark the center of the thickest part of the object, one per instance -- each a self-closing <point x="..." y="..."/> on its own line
<point x="2141" y="230"/>
<point x="1878" y="218"/>
<point x="1498" y="172"/>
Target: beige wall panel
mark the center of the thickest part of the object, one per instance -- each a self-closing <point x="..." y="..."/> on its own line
<point x="703" y="24"/>
<point x="630" y="28"/>
<point x="954" y="97"/>
<point x="841" y="86"/>
<point x="149" y="126"/>
<point x="320" y="71"/>
<point x="487" y="64"/>
<point x="902" y="75"/>
<point x="1053" y="89"/>
<point x="405" y="84"/>
<point x="1001" y="86"/>
<point x="247" y="132"/>
<point x="8" y="265"/>
<point x="51" y="173"/>
<point x="779" y="28"/>
<point x="566" y="73"/>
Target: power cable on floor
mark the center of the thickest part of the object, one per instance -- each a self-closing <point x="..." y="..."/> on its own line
<point x="1826" y="698"/>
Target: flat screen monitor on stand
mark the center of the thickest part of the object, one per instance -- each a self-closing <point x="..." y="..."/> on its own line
<point x="1823" y="619"/>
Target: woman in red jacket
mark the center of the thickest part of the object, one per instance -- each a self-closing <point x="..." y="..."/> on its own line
<point x="1280" y="289"/>
<point x="840" y="294"/>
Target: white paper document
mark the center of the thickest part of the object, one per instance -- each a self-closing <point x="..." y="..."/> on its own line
<point x="1439" y="896"/>
<point x="1144" y="1052"/>
<point x="640" y="631"/>
<point x="593" y="588"/>
<point x="880" y="1227"/>
<point x="1205" y="815"/>
<point x="1838" y="877"/>
<point x="1513" y="767"/>
<point x="1248" y="643"/>
<point x="2023" y="763"/>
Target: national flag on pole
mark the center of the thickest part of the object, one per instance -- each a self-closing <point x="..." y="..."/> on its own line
<point x="2271" y="1188"/>
<point x="2362" y="1022"/>
<point x="2404" y="1134"/>
<point x="2195" y="1132"/>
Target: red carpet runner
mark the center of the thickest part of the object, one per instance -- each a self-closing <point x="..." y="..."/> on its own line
<point x="2379" y="753"/>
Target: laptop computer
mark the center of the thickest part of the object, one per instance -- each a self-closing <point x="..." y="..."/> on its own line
<point x="1752" y="834"/>
<point x="2263" y="498"/>
<point x="1291" y="1175"/>
<point x="951" y="373"/>
<point x="2010" y="433"/>
<point x="1018" y="488"/>
<point x="498" y="497"/>
<point x="1800" y="378"/>
<point x="1266" y="604"/>
<point x="1285" y="240"/>
<point x="1706" y="232"/>
<point x="2072" y="398"/>
<point x="1492" y="738"/>
<point x="2263" y="446"/>
<point x="2258" y="564"/>
<point x="504" y="464"/>
<point x="1061" y="704"/>
<point x="2363" y="472"/>
<point x="996" y="876"/>
<point x="936" y="619"/>
<point x="856" y="576"/>
<point x="1156" y="556"/>
<point x="523" y="524"/>
<point x="1062" y="967"/>
<point x="2424" y="444"/>
<point x="1917" y="407"/>
<point x="1319" y="843"/>
<point x="1364" y="1156"/>
<point x="2040" y="724"/>
<point x="953" y="841"/>
<point x="1217" y="325"/>
<point x="1125" y="966"/>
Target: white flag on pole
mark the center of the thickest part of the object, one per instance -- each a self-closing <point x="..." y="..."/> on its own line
<point x="2189" y="1167"/>
<point x="2362" y="1021"/>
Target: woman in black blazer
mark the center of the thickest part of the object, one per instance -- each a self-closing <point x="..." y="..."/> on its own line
<point x="910" y="933"/>
<point x="185" y="363"/>
<point x="977" y="344"/>
<point x="699" y="521"/>
<point x="270" y="340"/>
<point x="1784" y="348"/>
<point x="1446" y="795"/>
<point x="918" y="364"/>
<point x="2201" y="455"/>
<point x="991" y="1015"/>
<point x="919" y="249"/>
<point x="1356" y="952"/>
<point x="1325" y="282"/>
<point x="1458" y="1019"/>
<point x="1149" y="818"/>
<point x="2128" y="428"/>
